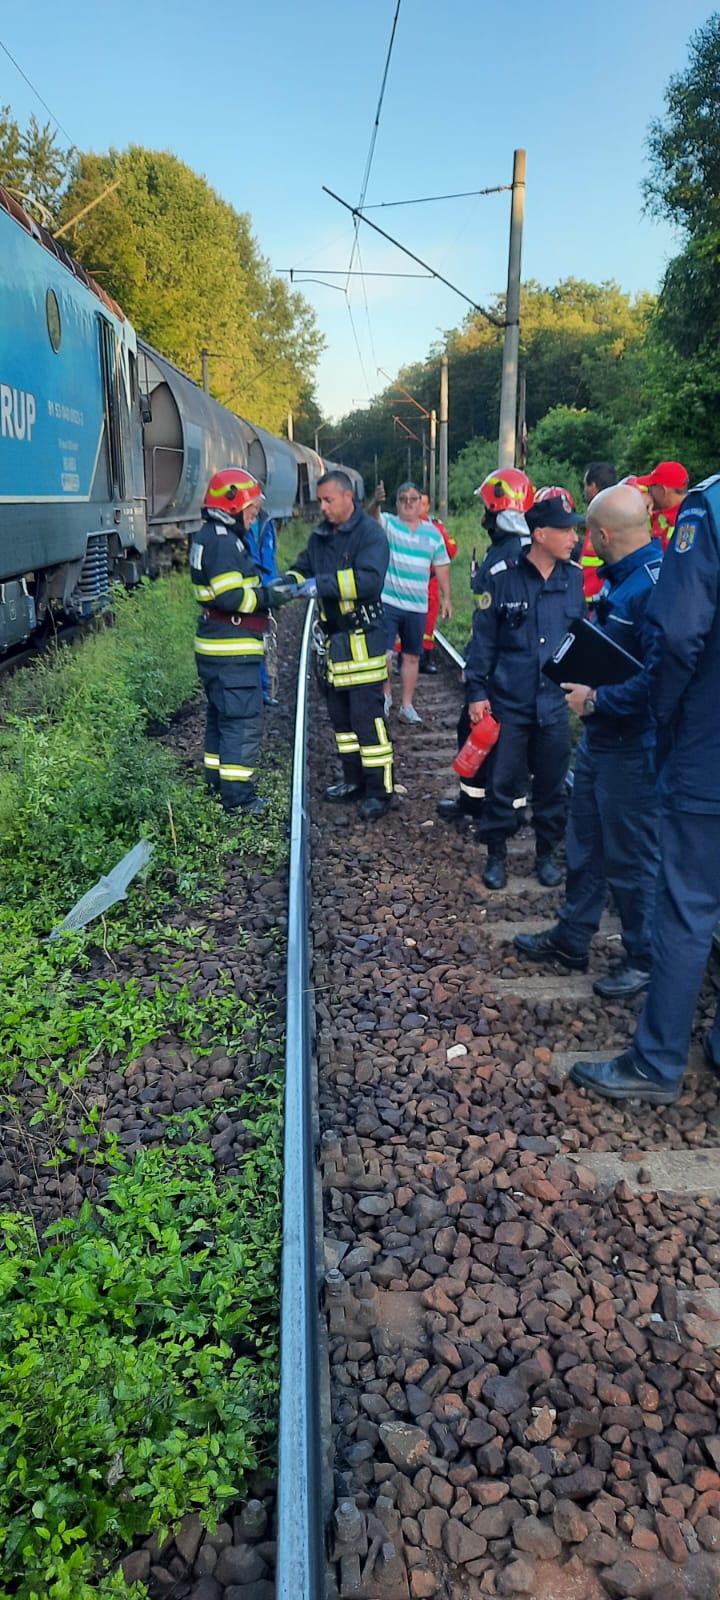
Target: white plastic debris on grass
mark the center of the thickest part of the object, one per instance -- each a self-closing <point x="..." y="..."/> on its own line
<point x="107" y="891"/>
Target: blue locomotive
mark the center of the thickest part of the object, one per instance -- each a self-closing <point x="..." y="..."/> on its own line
<point x="105" y="446"/>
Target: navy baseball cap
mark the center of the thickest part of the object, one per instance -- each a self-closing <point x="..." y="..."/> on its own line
<point x="552" y="513"/>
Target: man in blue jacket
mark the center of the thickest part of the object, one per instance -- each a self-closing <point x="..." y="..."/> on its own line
<point x="261" y="544"/>
<point x="522" y="615"/>
<point x="684" y="678"/>
<point x="613" y="832"/>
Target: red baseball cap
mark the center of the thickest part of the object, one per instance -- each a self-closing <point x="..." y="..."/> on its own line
<point x="667" y="475"/>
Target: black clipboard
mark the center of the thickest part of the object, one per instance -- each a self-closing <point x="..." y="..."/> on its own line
<point x="586" y="655"/>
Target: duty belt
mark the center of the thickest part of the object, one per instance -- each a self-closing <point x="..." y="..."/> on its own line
<point x="249" y="624"/>
<point x="362" y="616"/>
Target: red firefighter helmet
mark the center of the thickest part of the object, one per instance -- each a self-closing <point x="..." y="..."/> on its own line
<point x="506" y="489"/>
<point x="231" y="490"/>
<point x="555" y="492"/>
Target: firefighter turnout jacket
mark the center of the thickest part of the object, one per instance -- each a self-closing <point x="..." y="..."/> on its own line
<point x="349" y="563"/>
<point x="227" y="585"/>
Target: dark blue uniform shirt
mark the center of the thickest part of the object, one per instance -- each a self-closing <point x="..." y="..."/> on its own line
<point x="520" y="620"/>
<point x="685" y="655"/>
<point x="620" y="610"/>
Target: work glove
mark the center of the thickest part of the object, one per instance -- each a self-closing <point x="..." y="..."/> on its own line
<point x="308" y="589"/>
<point x="279" y="593"/>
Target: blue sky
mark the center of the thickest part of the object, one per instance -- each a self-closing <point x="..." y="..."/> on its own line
<point x="270" y="100"/>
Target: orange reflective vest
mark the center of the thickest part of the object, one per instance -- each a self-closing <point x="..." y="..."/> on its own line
<point x="590" y="563"/>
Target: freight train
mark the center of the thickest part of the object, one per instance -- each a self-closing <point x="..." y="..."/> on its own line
<point x="105" y="446"/>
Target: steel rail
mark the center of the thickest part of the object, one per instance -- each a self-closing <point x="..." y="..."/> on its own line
<point x="300" y="1572"/>
<point x="450" y="651"/>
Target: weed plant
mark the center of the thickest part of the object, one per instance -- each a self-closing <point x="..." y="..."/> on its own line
<point x="137" y="1340"/>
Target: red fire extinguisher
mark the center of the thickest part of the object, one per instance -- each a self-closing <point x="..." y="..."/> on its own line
<point x="483" y="735"/>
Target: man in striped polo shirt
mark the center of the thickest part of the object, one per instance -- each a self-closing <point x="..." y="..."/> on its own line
<point x="415" y="546"/>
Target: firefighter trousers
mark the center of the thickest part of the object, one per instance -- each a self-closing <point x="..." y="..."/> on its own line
<point x="233" y="729"/>
<point x="357" y="716"/>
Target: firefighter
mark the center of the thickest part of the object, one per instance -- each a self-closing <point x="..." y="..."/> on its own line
<point x="506" y="495"/>
<point x="230" y="643"/>
<point x="347" y="557"/>
<point x="598" y="475"/>
<point x="427" y="657"/>
<point x="668" y="486"/>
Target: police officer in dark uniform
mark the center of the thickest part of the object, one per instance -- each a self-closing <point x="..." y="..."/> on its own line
<point x="521" y="618"/>
<point x="230" y="640"/>
<point x="614" y="826"/>
<point x="347" y="559"/>
<point x="684" y="679"/>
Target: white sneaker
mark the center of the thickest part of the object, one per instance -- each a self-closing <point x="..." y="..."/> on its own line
<point x="409" y="714"/>
<point x="387" y="704"/>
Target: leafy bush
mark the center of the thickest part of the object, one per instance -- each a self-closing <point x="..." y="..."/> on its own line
<point x="137" y="1354"/>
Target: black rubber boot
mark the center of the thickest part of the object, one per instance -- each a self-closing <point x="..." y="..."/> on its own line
<point x="341" y="794"/>
<point x="495" y="874"/>
<point x="427" y="661"/>
<point x="548" y="873"/>
<point x="373" y="808"/>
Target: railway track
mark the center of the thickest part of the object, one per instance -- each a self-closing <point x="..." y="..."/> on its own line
<point x="518" y="1288"/>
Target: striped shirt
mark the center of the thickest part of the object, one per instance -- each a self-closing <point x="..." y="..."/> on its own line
<point x="412" y="553"/>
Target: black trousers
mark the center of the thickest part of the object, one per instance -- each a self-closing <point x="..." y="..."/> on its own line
<point x="357" y="715"/>
<point x="234" y="727"/>
<point x="524" y="748"/>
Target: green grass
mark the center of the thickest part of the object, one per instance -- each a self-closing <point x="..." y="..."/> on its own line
<point x="137" y="1341"/>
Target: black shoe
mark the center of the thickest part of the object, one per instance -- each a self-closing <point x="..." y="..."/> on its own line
<point x="548" y="946"/>
<point x="623" y="1079"/>
<point x="340" y="794"/>
<point x="270" y="700"/>
<point x="427" y="661"/>
<point x="548" y="873"/>
<point x="623" y="983"/>
<point x="495" y="874"/>
<point x="373" y="808"/>
<point x="450" y="810"/>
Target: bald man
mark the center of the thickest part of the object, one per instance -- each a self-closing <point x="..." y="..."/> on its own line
<point x="613" y="830"/>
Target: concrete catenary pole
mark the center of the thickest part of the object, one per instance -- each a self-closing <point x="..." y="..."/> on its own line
<point x="511" y="348"/>
<point x="290" y="425"/>
<point x="205" y="370"/>
<point x="433" y="448"/>
<point x="443" y="487"/>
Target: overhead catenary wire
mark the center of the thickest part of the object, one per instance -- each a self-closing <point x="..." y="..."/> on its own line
<point x="425" y="199"/>
<point x="497" y="322"/>
<point x="37" y="94"/>
<point x="374" y="134"/>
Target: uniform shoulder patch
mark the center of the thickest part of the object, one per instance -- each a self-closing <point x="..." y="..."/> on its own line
<point x="484" y="600"/>
<point x="196" y="555"/>
<point x="500" y="566"/>
<point x="685" y="537"/>
<point x="652" y="569"/>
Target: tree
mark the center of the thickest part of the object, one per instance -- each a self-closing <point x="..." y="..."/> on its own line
<point x="34" y="165"/>
<point x="187" y="270"/>
<point x="581" y="349"/>
<point x="684" y="185"/>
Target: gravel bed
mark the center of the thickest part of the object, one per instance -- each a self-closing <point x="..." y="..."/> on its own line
<point x="520" y="1405"/>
